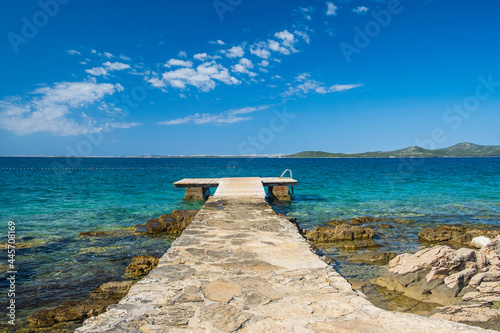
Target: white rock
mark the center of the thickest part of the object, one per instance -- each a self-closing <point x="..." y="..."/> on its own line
<point x="480" y="242"/>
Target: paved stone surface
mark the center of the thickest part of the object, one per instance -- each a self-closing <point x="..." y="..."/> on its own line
<point x="241" y="267"/>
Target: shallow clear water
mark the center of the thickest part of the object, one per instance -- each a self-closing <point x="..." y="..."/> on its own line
<point x="52" y="199"/>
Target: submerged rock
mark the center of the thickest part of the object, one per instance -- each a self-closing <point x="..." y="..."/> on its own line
<point x="171" y="224"/>
<point x="141" y="266"/>
<point x="103" y="296"/>
<point x="363" y="219"/>
<point x="465" y="281"/>
<point x="441" y="235"/>
<point x="336" y="222"/>
<point x="356" y="245"/>
<point x="455" y="235"/>
<point x="140" y="229"/>
<point x="343" y="232"/>
<point x="108" y="234"/>
<point x="373" y="258"/>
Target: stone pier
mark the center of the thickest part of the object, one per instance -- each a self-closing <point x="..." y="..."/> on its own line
<point x="199" y="188"/>
<point x="241" y="267"/>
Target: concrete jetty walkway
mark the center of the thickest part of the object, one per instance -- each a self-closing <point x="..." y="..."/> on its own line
<point x="241" y="267"/>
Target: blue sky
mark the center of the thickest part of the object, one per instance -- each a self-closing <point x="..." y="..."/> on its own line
<point x="238" y="77"/>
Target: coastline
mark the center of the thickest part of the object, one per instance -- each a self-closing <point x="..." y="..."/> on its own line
<point x="52" y="211"/>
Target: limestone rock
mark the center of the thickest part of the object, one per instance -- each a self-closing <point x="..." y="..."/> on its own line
<point x="141" y="266"/>
<point x="438" y="235"/>
<point x="480" y="242"/>
<point x="279" y="193"/>
<point x="114" y="290"/>
<point x="455" y="235"/>
<point x="356" y="245"/>
<point x="362" y="219"/>
<point x="342" y="232"/>
<point x="171" y="224"/>
<point x="465" y="281"/>
<point x="221" y="291"/>
<point x="184" y="217"/>
<point x="373" y="258"/>
<point x="108" y="234"/>
<point x="98" y="301"/>
<point x="478" y="311"/>
<point x="140" y="229"/>
<point x="336" y="222"/>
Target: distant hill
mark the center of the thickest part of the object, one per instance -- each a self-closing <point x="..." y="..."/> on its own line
<point x="464" y="149"/>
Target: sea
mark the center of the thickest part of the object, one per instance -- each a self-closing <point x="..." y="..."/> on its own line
<point x="51" y="200"/>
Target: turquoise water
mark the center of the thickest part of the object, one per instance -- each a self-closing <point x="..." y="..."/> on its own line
<point x="52" y="199"/>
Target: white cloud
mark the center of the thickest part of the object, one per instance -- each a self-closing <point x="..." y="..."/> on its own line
<point x="204" y="77"/>
<point x="227" y="117"/>
<point x="303" y="35"/>
<point x="51" y="109"/>
<point x="285" y="45"/>
<point x="306" y="11"/>
<point x="247" y="63"/>
<point x="122" y="125"/>
<point x="275" y="46"/>
<point x="361" y="10"/>
<point x="73" y="52"/>
<point x="305" y="85"/>
<point x="260" y="49"/>
<point x="243" y="66"/>
<point x="288" y="39"/>
<point x="180" y="63"/>
<point x="331" y="9"/>
<point x="235" y="52"/>
<point x="108" y="55"/>
<point x="125" y="58"/>
<point x="218" y="42"/>
<point x="93" y="51"/>
<point x="264" y="63"/>
<point x="97" y="71"/>
<point x="201" y="56"/>
<point x="205" y="57"/>
<point x="156" y="82"/>
<point x="182" y="54"/>
<point x="107" y="67"/>
<point x="115" y="66"/>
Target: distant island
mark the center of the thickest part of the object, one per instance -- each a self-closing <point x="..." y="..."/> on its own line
<point x="464" y="149"/>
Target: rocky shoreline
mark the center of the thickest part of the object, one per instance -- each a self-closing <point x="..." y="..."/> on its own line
<point x="70" y="315"/>
<point x="467" y="268"/>
<point x="465" y="282"/>
<point x="459" y="284"/>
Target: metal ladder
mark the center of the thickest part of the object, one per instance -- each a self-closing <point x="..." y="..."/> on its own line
<point x="291" y="177"/>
